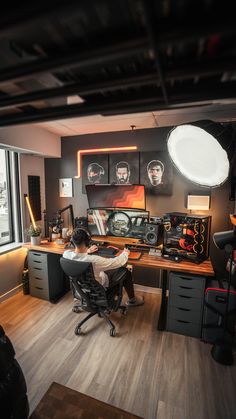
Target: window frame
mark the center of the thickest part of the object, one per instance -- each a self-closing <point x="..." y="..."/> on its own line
<point x="13" y="196"/>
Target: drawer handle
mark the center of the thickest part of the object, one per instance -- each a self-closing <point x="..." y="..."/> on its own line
<point x="38" y="269"/>
<point x="37" y="254"/>
<point x="39" y="288"/>
<point x="184" y="296"/>
<point x="37" y="261"/>
<point x="186" y="279"/>
<point x="186" y="288"/>
<point x="183" y="309"/>
<point x="182" y="321"/>
<point x="36" y="277"/>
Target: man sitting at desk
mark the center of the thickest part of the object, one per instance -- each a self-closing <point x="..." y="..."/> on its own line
<point x="83" y="253"/>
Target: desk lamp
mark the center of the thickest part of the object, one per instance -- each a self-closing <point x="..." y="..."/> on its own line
<point x="225" y="240"/>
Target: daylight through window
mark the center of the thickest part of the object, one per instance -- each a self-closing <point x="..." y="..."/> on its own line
<point x="5" y="219"/>
<point x="10" y="226"/>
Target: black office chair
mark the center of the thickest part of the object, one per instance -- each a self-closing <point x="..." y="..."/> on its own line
<point x="14" y="402"/>
<point x="94" y="298"/>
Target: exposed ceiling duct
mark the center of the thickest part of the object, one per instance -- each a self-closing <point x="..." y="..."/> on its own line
<point x="117" y="57"/>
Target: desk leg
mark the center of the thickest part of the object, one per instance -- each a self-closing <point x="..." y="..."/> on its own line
<point x="162" y="316"/>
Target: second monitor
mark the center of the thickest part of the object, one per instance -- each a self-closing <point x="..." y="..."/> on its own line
<point x="119" y="223"/>
<point x="116" y="196"/>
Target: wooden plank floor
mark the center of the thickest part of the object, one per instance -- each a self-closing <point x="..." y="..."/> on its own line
<point x="149" y="373"/>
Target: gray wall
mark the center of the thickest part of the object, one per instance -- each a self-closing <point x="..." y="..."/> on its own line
<point x="11" y="266"/>
<point x="145" y="140"/>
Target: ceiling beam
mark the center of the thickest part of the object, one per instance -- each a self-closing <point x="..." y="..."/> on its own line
<point x="78" y="89"/>
<point x="183" y="73"/>
<point x="78" y="59"/>
<point x="32" y="13"/>
<point x="148" y="13"/>
<point x="191" y="31"/>
<point x="133" y="104"/>
<point x="73" y="111"/>
<point x="203" y="69"/>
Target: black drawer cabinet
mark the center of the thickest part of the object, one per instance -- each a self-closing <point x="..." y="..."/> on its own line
<point x="45" y="275"/>
<point x="185" y="304"/>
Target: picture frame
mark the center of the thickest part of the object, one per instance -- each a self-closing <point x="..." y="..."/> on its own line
<point x="124" y="168"/>
<point x="94" y="170"/>
<point x="65" y="188"/>
<point x="156" y="172"/>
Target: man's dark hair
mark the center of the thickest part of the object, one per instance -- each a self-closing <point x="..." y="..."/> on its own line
<point x="81" y="236"/>
<point x="154" y="163"/>
<point x="122" y="164"/>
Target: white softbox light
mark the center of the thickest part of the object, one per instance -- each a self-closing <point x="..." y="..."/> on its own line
<point x="198" y="152"/>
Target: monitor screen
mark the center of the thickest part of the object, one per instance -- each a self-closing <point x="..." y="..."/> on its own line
<point x="116" y="196"/>
<point x="119" y="223"/>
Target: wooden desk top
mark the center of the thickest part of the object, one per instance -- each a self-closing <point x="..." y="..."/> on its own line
<point x="146" y="261"/>
<point x="45" y="246"/>
<point x="204" y="268"/>
<point x="63" y="402"/>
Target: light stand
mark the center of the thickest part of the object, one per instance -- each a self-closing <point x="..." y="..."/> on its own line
<point x="222" y="350"/>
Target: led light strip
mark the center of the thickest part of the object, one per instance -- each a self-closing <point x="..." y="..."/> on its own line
<point x="100" y="150"/>
<point x="30" y="211"/>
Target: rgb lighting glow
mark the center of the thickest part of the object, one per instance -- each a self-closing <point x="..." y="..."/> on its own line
<point x="100" y="150"/>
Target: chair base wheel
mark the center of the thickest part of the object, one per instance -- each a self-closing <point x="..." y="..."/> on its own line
<point x="77" y="330"/>
<point x="113" y="332"/>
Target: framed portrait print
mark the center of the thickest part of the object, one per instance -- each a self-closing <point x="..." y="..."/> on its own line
<point x="65" y="187"/>
<point x="94" y="169"/>
<point x="156" y="172"/>
<point x="124" y="168"/>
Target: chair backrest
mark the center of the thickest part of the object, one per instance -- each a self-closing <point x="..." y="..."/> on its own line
<point x="13" y="390"/>
<point x="93" y="294"/>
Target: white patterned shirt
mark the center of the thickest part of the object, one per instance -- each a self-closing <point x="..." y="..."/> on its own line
<point x="100" y="264"/>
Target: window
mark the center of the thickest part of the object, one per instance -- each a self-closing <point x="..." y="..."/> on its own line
<point x="5" y="213"/>
<point x="10" y="225"/>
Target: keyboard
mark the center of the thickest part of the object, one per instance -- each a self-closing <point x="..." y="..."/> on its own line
<point x="134" y="248"/>
<point x="106" y="251"/>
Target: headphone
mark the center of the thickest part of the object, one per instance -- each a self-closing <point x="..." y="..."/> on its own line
<point x="84" y="235"/>
<point x="97" y="168"/>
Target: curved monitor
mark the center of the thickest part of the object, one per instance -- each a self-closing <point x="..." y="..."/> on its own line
<point x="119" y="223"/>
<point x="116" y="196"/>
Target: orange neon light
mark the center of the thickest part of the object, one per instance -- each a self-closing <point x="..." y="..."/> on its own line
<point x="100" y="150"/>
<point x="30" y="212"/>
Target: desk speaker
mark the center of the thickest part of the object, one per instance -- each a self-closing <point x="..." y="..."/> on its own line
<point x="153" y="234"/>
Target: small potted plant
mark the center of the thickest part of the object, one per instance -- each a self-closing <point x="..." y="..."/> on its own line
<point x="35" y="234"/>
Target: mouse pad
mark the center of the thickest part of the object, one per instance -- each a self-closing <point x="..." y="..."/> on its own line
<point x="135" y="255"/>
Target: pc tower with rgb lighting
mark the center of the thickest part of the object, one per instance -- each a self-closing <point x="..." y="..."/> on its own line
<point x="186" y="236"/>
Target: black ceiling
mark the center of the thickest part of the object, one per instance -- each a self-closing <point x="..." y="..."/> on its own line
<point x="118" y="56"/>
